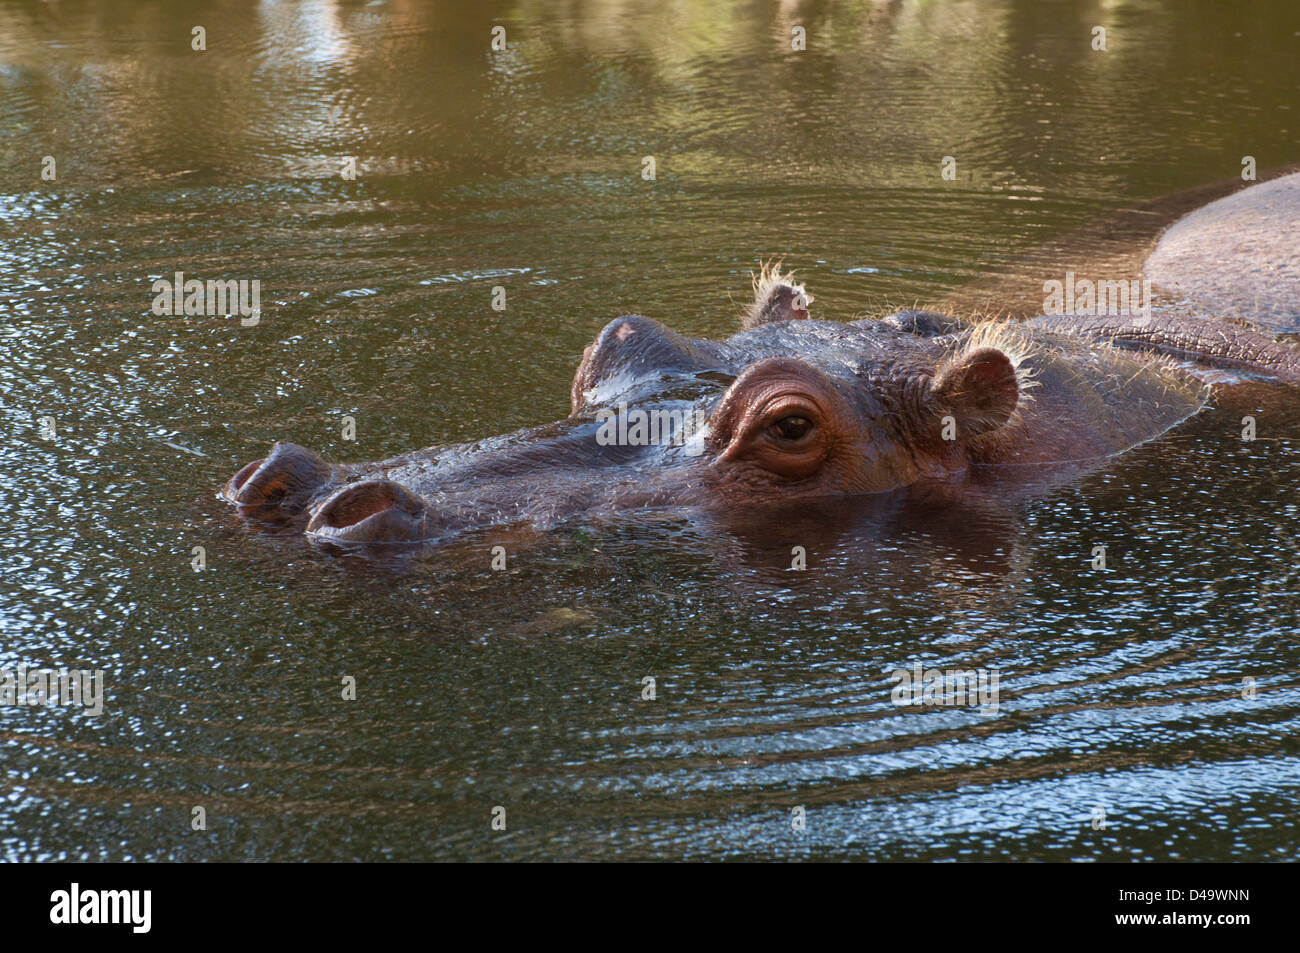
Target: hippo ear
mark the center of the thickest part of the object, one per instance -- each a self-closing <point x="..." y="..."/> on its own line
<point x="777" y="297"/>
<point x="979" y="389"/>
<point x="629" y="350"/>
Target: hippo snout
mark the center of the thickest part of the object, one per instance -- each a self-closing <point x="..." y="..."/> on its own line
<point x="371" y="511"/>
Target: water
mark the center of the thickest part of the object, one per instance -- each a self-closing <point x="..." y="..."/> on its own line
<point x="1121" y="689"/>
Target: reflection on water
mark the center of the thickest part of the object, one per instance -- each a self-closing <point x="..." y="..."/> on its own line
<point x="1121" y="689"/>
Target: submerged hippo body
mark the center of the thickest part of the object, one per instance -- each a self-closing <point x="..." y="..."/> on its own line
<point x="789" y="409"/>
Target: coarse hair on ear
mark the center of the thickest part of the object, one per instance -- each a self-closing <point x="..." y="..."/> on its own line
<point x="777" y="297"/>
<point x="979" y="389"/>
<point x="987" y="378"/>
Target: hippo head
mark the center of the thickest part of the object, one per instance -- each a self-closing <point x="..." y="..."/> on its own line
<point x="789" y="409"/>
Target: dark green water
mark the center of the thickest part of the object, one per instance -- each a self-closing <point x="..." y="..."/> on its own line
<point x="1121" y="690"/>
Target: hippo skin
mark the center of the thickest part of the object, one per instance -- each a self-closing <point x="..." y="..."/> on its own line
<point x="792" y="409"/>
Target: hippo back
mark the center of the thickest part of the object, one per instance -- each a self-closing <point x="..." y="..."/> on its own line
<point x="1236" y="258"/>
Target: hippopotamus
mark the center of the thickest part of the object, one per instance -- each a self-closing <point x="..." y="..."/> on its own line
<point x="790" y="408"/>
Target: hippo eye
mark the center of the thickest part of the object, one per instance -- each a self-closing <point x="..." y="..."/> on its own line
<point x="791" y="428"/>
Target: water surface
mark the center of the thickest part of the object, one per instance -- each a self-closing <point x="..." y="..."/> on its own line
<point x="1121" y="689"/>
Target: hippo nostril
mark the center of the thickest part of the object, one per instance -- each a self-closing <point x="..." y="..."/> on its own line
<point x="287" y="477"/>
<point x="356" y="503"/>
<point x="370" y="511"/>
<point x="239" y="479"/>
